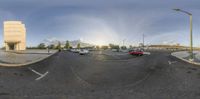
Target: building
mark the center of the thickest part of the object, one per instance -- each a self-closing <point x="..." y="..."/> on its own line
<point x="14" y="35"/>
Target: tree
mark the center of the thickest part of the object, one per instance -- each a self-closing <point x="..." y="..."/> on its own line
<point x="78" y="45"/>
<point x="112" y="46"/>
<point x="67" y="45"/>
<point x="97" y="47"/>
<point x="58" y="46"/>
<point x="51" y="46"/>
<point x="123" y="47"/>
<point x="116" y="47"/>
<point x="41" y="46"/>
<point x="104" y="47"/>
<point x="130" y="46"/>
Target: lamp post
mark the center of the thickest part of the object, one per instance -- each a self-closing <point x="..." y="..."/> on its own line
<point x="124" y="41"/>
<point x="143" y="39"/>
<point x="191" y="40"/>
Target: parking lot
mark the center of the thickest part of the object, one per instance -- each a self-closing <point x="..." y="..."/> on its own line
<point x="68" y="75"/>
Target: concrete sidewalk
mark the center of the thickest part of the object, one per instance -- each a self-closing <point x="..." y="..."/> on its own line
<point x="19" y="58"/>
<point x="185" y="56"/>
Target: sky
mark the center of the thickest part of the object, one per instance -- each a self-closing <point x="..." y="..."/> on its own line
<point x="104" y="21"/>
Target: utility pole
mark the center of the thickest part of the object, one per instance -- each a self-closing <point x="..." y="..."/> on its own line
<point x="143" y="39"/>
<point x="124" y="41"/>
<point x="191" y="39"/>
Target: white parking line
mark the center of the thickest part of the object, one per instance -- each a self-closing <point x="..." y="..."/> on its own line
<point x="147" y="53"/>
<point x="171" y="62"/>
<point x="41" y="75"/>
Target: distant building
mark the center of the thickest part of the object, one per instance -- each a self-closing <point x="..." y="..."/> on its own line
<point x="14" y="35"/>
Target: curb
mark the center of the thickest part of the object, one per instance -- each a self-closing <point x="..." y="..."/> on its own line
<point x="191" y="62"/>
<point x="28" y="63"/>
<point x="15" y="52"/>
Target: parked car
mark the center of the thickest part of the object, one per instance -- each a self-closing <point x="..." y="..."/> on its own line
<point x="124" y="50"/>
<point x="115" y="50"/>
<point x="75" y="50"/>
<point x="83" y="51"/>
<point x="72" y="50"/>
<point x="136" y="52"/>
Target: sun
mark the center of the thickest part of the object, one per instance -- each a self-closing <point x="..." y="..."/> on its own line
<point x="99" y="39"/>
<point x="100" y="42"/>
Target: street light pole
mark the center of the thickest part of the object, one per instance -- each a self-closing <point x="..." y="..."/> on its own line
<point x="191" y="39"/>
<point x="143" y="39"/>
<point x="123" y="41"/>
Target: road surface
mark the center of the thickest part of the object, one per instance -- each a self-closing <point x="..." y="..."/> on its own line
<point x="68" y="75"/>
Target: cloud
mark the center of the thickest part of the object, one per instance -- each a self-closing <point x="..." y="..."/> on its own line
<point x="109" y="21"/>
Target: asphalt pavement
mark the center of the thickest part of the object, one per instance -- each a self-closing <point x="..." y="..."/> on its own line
<point x="68" y="75"/>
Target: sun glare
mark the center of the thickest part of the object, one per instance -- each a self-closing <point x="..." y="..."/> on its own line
<point x="100" y="42"/>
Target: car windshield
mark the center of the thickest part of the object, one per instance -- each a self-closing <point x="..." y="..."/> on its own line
<point x="99" y="49"/>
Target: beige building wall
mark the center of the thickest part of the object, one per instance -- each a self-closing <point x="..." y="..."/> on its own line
<point x="14" y="35"/>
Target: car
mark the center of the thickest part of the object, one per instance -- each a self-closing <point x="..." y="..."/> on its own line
<point x="75" y="50"/>
<point x="83" y="51"/>
<point x="114" y="50"/>
<point x="136" y="52"/>
<point x="72" y="50"/>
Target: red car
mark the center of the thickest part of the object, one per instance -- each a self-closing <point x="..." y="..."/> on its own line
<point x="136" y="52"/>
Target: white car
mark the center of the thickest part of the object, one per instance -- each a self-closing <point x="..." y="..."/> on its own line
<point x="72" y="50"/>
<point x="75" y="50"/>
<point x="83" y="52"/>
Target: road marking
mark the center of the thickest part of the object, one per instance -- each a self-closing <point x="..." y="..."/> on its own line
<point x="171" y="62"/>
<point x="147" y="53"/>
<point x="41" y="75"/>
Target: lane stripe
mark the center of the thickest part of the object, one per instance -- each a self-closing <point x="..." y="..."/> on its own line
<point x="171" y="62"/>
<point x="40" y="74"/>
